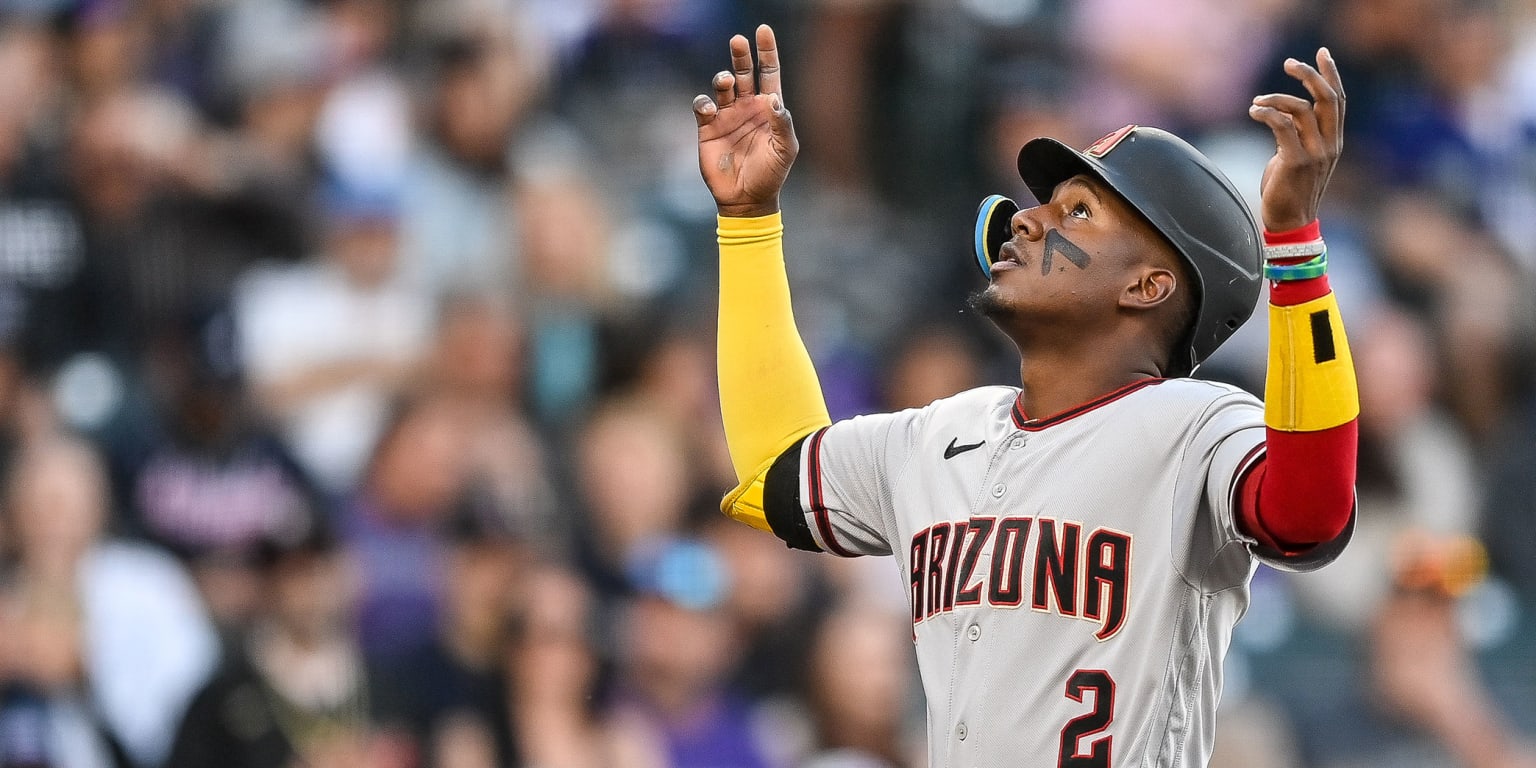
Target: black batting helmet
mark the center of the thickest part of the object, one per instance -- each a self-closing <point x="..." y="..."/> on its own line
<point x="1186" y="199"/>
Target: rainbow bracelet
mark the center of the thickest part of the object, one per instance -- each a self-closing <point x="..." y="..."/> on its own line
<point x="1316" y="266"/>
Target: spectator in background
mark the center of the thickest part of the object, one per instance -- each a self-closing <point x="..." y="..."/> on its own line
<point x="270" y="71"/>
<point x="637" y="58"/>
<point x="115" y="627"/>
<point x="633" y="475"/>
<point x="42" y="238"/>
<point x="859" y="684"/>
<point x="364" y="128"/>
<point x="1381" y="43"/>
<point x="561" y="715"/>
<point x="652" y="362"/>
<point x="109" y="48"/>
<point x="453" y="694"/>
<point x="1423" y="672"/>
<point x="564" y="251"/>
<point x="296" y="690"/>
<point x="774" y="600"/>
<point x="932" y="363"/>
<point x="329" y="343"/>
<point x="44" y="718"/>
<point x="1475" y="303"/>
<point x="30" y="93"/>
<point x="161" y="218"/>
<point x="676" y="648"/>
<point x="676" y="380"/>
<point x="477" y="366"/>
<point x="1435" y="108"/>
<point x="486" y="73"/>
<point x="1134" y="52"/>
<point x="213" y="481"/>
<point x="135" y="255"/>
<point x="162" y="232"/>
<point x="395" y="526"/>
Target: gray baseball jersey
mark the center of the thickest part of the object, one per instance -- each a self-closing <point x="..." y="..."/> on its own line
<point x="1073" y="580"/>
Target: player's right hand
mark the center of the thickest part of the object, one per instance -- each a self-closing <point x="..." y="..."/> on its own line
<point x="746" y="138"/>
<point x="1309" y="137"/>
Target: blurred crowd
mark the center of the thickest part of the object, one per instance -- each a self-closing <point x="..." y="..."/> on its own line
<point x="357" y="394"/>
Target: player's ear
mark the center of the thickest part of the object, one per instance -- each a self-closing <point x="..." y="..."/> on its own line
<point x="1151" y="286"/>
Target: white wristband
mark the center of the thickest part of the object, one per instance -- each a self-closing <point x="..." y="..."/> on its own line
<point x="1294" y="250"/>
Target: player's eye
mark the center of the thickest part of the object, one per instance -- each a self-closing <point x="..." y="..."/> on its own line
<point x="1080" y="211"/>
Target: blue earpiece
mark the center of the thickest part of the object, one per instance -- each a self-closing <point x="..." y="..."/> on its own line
<point x="994" y="226"/>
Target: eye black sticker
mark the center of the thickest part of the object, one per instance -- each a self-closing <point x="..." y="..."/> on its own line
<point x="1056" y="242"/>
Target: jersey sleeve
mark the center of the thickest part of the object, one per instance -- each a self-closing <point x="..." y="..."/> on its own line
<point x="1227" y="443"/>
<point x="834" y="491"/>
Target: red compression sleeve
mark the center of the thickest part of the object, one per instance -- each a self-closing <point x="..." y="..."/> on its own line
<point x="1301" y="492"/>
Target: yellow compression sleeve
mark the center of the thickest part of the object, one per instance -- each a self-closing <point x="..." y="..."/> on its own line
<point x="769" y="394"/>
<point x="1311" y="381"/>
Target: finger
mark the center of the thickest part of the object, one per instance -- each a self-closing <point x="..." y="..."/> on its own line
<point x="741" y="65"/>
<point x="704" y="110"/>
<point x="1286" y="138"/>
<point x="1330" y="70"/>
<point x="1324" y="98"/>
<point x="1303" y="117"/>
<point x="725" y="89"/>
<point x="779" y="120"/>
<point x="782" y="127"/>
<point x="768" y="62"/>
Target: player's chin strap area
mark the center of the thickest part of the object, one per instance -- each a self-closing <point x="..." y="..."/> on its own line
<point x="994" y="226"/>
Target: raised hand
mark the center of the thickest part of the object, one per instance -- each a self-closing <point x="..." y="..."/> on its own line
<point x="746" y="138"/>
<point x="1308" y="140"/>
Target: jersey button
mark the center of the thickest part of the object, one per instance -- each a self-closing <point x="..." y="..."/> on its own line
<point x="973" y="632"/>
<point x="960" y="730"/>
<point x="1016" y="443"/>
<point x="998" y="490"/>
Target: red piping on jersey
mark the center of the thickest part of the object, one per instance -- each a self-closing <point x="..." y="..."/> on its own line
<point x="1246" y="466"/>
<point x="1244" y="500"/>
<point x="818" y="506"/>
<point x="1035" y="425"/>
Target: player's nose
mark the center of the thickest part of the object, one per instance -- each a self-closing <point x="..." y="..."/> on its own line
<point x="1029" y="223"/>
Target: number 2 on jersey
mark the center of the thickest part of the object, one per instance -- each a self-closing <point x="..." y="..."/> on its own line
<point x="1078" y="728"/>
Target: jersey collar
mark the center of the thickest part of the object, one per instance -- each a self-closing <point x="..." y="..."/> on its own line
<point x="1035" y="425"/>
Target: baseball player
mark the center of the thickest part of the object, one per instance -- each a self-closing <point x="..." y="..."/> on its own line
<point x="1078" y="548"/>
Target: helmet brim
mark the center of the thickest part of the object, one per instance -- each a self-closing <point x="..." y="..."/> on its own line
<point x="1045" y="163"/>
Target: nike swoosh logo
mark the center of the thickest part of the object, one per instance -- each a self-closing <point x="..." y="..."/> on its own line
<point x="955" y="450"/>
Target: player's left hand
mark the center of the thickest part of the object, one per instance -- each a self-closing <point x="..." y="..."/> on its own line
<point x="1309" y="136"/>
